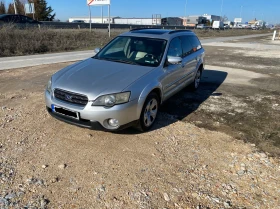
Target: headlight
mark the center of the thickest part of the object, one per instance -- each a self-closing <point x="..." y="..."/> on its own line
<point x="49" y="86"/>
<point x="112" y="99"/>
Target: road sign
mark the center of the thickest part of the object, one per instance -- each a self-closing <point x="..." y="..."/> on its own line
<point x="98" y="2"/>
<point x="29" y="8"/>
<point x="238" y="20"/>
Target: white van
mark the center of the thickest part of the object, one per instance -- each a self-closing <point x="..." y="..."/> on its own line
<point x="218" y="25"/>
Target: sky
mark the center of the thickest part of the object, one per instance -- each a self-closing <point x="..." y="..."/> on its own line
<point x="268" y="10"/>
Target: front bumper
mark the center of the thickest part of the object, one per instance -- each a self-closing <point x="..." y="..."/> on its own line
<point x="96" y="117"/>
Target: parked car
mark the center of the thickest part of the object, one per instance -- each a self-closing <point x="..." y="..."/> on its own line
<point x="226" y="26"/>
<point x="78" y="21"/>
<point x="239" y="26"/>
<point x="202" y="26"/>
<point x="126" y="81"/>
<point x="255" y="27"/>
<point x="17" y="19"/>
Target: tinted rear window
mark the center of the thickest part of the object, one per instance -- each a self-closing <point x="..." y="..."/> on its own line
<point x="195" y="42"/>
<point x="187" y="46"/>
<point x="4" y="18"/>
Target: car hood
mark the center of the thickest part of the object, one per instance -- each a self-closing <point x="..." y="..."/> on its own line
<point x="94" y="77"/>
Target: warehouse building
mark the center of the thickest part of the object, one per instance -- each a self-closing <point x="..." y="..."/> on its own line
<point x="174" y="21"/>
<point x="212" y="18"/>
<point x="93" y="19"/>
<point x="138" y="21"/>
<point x="194" y="20"/>
<point x="119" y="20"/>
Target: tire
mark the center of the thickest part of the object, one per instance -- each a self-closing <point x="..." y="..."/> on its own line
<point x="149" y="112"/>
<point x="195" y="84"/>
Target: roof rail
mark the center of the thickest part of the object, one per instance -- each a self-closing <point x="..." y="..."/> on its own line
<point x="177" y="31"/>
<point x="143" y="29"/>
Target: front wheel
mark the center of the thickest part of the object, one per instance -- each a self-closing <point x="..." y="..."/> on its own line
<point x="149" y="112"/>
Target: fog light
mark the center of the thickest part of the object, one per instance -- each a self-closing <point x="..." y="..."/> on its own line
<point x="113" y="122"/>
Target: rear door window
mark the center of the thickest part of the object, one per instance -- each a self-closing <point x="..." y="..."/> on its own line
<point x="195" y="43"/>
<point x="175" y="48"/>
<point x="6" y="19"/>
<point x="186" y="45"/>
<point x="15" y="19"/>
<point x="25" y="19"/>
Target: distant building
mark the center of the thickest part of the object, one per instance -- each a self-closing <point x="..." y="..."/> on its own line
<point x="212" y="18"/>
<point x="119" y="20"/>
<point x="194" y="20"/>
<point x="252" y="22"/>
<point x="93" y="19"/>
<point x="260" y="23"/>
<point x="138" y="21"/>
<point x="174" y="21"/>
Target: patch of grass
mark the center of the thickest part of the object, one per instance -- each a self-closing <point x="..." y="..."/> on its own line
<point x="15" y="41"/>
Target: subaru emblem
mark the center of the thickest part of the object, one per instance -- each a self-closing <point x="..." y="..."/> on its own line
<point x="68" y="97"/>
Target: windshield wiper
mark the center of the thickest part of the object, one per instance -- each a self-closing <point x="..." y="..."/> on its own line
<point x="116" y="60"/>
<point x="126" y="61"/>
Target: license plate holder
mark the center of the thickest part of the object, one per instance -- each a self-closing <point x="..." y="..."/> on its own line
<point x="65" y="112"/>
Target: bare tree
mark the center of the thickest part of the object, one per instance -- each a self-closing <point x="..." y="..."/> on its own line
<point x="224" y="18"/>
<point x="11" y="9"/>
<point x="2" y="7"/>
<point x="19" y="6"/>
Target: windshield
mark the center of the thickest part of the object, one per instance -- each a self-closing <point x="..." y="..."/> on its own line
<point x="134" y="50"/>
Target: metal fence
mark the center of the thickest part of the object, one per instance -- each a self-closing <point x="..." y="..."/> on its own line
<point x="64" y="25"/>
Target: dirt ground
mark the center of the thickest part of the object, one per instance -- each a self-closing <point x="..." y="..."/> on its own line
<point x="215" y="148"/>
<point x="260" y="98"/>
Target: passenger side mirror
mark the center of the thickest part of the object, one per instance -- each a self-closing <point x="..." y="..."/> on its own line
<point x="96" y="50"/>
<point x="174" y="60"/>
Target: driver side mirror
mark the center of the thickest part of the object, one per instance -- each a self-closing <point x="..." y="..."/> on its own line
<point x="174" y="60"/>
<point x="96" y="50"/>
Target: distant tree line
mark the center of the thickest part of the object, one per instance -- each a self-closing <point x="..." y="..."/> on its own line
<point x="43" y="12"/>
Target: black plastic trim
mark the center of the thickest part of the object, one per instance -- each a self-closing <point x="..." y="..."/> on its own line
<point x="87" y="123"/>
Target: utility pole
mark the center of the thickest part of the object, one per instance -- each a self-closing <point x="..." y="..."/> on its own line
<point x="102" y="13"/>
<point x="186" y="8"/>
<point x="15" y="8"/>
<point x="109" y="14"/>
<point x="222" y="8"/>
<point x="89" y="18"/>
<point x="186" y="12"/>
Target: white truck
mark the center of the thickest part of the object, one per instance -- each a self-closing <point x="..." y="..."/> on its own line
<point x="218" y="25"/>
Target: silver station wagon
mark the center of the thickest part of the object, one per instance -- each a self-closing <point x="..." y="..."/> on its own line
<point x="126" y="81"/>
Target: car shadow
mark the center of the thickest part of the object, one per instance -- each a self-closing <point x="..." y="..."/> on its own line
<point x="186" y="101"/>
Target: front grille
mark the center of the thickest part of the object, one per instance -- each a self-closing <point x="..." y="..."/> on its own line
<point x="71" y="97"/>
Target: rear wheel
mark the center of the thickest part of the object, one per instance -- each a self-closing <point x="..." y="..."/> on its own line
<point x="149" y="112"/>
<point x="195" y="84"/>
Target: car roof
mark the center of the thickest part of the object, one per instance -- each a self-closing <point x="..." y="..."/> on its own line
<point x="157" y="33"/>
<point x="4" y="15"/>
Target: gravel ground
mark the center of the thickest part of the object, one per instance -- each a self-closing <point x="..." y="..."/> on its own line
<point x="48" y="164"/>
<point x="179" y="164"/>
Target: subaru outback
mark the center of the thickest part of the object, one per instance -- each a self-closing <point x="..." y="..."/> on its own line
<point x="126" y="81"/>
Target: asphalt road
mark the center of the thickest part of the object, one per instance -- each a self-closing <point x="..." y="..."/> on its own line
<point x="34" y="60"/>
